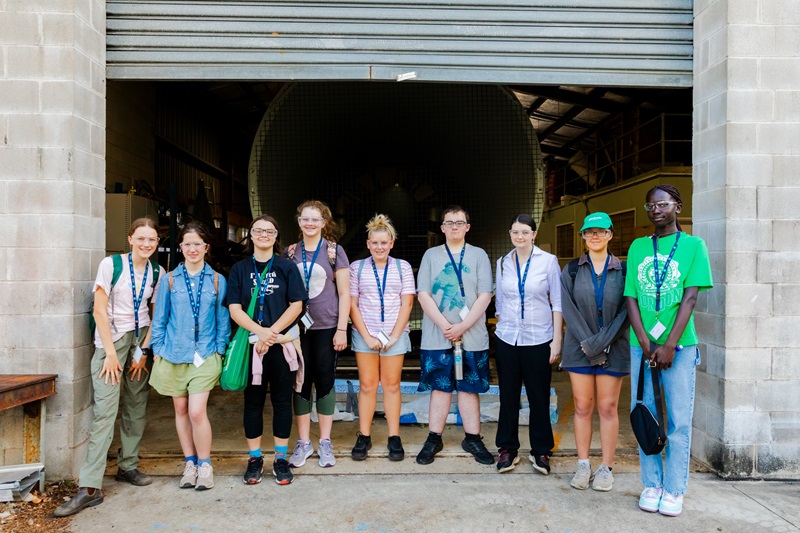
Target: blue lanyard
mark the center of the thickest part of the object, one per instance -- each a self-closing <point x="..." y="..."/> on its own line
<point x="378" y="281"/>
<point x="306" y="270"/>
<point x="195" y="305"/>
<point x="459" y="269"/>
<point x="262" y="286"/>
<point x="137" y="300"/>
<point x="659" y="279"/>
<point x="521" y="282"/>
<point x="598" y="291"/>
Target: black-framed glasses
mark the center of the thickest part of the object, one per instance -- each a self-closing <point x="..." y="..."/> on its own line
<point x="588" y="234"/>
<point x="652" y="206"/>
<point x="458" y="224"/>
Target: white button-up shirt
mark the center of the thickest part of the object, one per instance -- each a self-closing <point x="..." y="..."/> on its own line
<point x="542" y="297"/>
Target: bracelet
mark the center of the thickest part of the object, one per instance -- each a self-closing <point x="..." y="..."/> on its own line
<point x="340" y="329"/>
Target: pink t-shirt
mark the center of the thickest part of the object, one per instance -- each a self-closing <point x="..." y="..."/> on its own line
<point x="122" y="315"/>
<point x="369" y="301"/>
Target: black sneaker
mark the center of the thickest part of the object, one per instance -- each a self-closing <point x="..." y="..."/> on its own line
<point x="506" y="460"/>
<point x="396" y="451"/>
<point x="541" y="463"/>
<point x="363" y="444"/>
<point x="254" y="468"/>
<point x="282" y="472"/>
<point x="429" y="450"/>
<point x="478" y="450"/>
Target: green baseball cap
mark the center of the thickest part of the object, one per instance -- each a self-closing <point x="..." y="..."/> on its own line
<point x="597" y="220"/>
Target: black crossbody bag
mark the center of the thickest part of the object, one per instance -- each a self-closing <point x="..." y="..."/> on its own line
<point x="649" y="428"/>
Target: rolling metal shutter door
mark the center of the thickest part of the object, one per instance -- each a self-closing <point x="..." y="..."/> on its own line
<point x="646" y="43"/>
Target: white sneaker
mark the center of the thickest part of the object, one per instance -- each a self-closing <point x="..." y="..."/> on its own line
<point x="205" y="477"/>
<point x="603" y="479"/>
<point x="325" y="451"/>
<point x="302" y="451"/>
<point x="582" y="477"/>
<point x="650" y="499"/>
<point x="189" y="478"/>
<point x="671" y="504"/>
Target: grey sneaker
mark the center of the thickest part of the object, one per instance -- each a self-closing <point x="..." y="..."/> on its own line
<point x="189" y="478"/>
<point x="302" y="451"/>
<point x="205" y="477"/>
<point x="582" y="477"/>
<point x="325" y="452"/>
<point x="603" y="479"/>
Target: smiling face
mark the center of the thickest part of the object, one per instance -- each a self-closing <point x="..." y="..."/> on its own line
<point x="380" y="243"/>
<point x="263" y="234"/>
<point x="194" y="248"/>
<point x="596" y="239"/>
<point x="144" y="242"/>
<point x="522" y="235"/>
<point x="311" y="222"/>
<point x="666" y="216"/>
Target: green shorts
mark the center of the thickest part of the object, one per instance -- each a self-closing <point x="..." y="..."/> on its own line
<point x="184" y="379"/>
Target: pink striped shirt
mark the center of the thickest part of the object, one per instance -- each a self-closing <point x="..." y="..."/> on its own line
<point x="369" y="301"/>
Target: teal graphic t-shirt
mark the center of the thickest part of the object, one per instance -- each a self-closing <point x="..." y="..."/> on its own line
<point x="689" y="267"/>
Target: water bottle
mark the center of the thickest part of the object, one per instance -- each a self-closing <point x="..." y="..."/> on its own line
<point x="458" y="360"/>
<point x="553" y="406"/>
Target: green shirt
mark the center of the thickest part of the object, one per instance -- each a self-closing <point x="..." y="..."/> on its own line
<point x="689" y="268"/>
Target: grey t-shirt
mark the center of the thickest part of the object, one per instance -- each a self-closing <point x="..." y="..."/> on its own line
<point x="437" y="276"/>
<point x="323" y="303"/>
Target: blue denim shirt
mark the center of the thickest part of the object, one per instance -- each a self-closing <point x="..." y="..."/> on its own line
<point x="173" y="322"/>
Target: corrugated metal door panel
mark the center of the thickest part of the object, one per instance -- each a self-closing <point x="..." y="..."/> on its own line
<point x="597" y="42"/>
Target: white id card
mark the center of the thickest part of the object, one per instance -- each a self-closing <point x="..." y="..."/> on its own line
<point x="137" y="355"/>
<point x="198" y="361"/>
<point x="383" y="337"/>
<point x="307" y="321"/>
<point x="253" y="338"/>
<point x="658" y="329"/>
<point x="464" y="312"/>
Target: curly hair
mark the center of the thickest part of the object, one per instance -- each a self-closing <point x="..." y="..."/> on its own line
<point x="330" y="231"/>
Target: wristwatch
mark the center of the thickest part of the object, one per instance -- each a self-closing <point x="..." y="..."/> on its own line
<point x="147" y="351"/>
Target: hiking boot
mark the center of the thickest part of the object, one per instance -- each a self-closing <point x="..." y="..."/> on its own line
<point x="189" y="479"/>
<point x="205" y="477"/>
<point x="429" y="449"/>
<point x="252" y="476"/>
<point x="582" y="477"/>
<point x="541" y="463"/>
<point x="506" y="460"/>
<point x="395" y="447"/>
<point x="79" y="502"/>
<point x="302" y="451"/>
<point x="650" y="499"/>
<point x="603" y="479"/>
<point x="134" y="477"/>
<point x="282" y="472"/>
<point x="478" y="450"/>
<point x="670" y="504"/>
<point x="363" y="444"/>
<point x="325" y="451"/>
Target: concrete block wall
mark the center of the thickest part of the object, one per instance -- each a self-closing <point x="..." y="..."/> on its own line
<point x="747" y="164"/>
<point x="52" y="203"/>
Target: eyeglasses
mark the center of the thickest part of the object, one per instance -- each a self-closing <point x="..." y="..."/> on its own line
<point x="142" y="240"/>
<point x="310" y="220"/>
<point x="193" y="245"/>
<point x="658" y="205"/>
<point x="588" y="234"/>
<point x="458" y="224"/>
<point x="258" y="232"/>
<point x="516" y="233"/>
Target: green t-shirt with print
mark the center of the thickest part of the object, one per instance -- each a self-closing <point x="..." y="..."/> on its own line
<point x="689" y="267"/>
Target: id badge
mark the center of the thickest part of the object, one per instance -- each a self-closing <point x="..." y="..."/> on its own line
<point x="464" y="312"/>
<point x="198" y="361"/>
<point x="137" y="355"/>
<point x="253" y="338"/>
<point x="307" y="321"/>
<point x="657" y="330"/>
<point x="383" y="337"/>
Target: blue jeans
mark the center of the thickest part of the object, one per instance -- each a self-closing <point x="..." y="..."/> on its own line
<point x="678" y="389"/>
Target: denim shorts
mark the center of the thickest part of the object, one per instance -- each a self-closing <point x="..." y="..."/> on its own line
<point x="438" y="371"/>
<point x="401" y="347"/>
<point x="596" y="370"/>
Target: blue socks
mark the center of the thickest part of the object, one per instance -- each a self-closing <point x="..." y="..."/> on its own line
<point x="280" y="452"/>
<point x="192" y="458"/>
<point x="202" y="462"/>
<point x="255" y="453"/>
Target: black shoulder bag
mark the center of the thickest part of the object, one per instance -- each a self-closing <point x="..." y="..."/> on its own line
<point x="649" y="429"/>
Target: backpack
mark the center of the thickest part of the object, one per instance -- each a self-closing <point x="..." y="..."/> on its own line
<point x="399" y="271"/>
<point x="333" y="254"/>
<point x="116" y="260"/>
<point x="572" y="268"/>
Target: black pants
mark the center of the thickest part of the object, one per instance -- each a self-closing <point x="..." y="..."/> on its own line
<point x="530" y="365"/>
<point x="281" y="387"/>
<point x="319" y="358"/>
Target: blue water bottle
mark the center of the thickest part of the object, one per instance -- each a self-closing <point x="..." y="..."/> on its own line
<point x="553" y="406"/>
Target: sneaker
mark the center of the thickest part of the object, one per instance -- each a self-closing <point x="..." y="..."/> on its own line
<point x="302" y="451"/>
<point x="650" y="499"/>
<point x="189" y="479"/>
<point x="478" y="450"/>
<point x="603" y="479"/>
<point x="325" y="451"/>
<point x="582" y="477"/>
<point x="282" y="472"/>
<point x="395" y="447"/>
<point x="670" y="504"/>
<point x="205" y="477"/>
<point x="252" y="476"/>
<point x="429" y="449"/>
<point x="363" y="444"/>
<point x="541" y="463"/>
<point x="506" y="460"/>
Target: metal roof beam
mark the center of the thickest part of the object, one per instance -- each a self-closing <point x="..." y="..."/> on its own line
<point x="592" y="100"/>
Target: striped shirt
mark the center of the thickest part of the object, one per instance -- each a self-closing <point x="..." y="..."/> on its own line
<point x="369" y="301"/>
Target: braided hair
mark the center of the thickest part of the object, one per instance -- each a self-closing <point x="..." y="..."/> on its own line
<point x="672" y="191"/>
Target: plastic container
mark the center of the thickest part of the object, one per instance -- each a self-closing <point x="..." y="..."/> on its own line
<point x="553" y="406"/>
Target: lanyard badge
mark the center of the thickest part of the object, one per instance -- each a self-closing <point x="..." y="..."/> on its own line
<point x="381" y="289"/>
<point x="137" y="300"/>
<point x="659" y="278"/>
<point x="598" y="291"/>
<point x="195" y="304"/>
<point x="459" y="270"/>
<point x="262" y="283"/>
<point x="306" y="270"/>
<point x="521" y="282"/>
